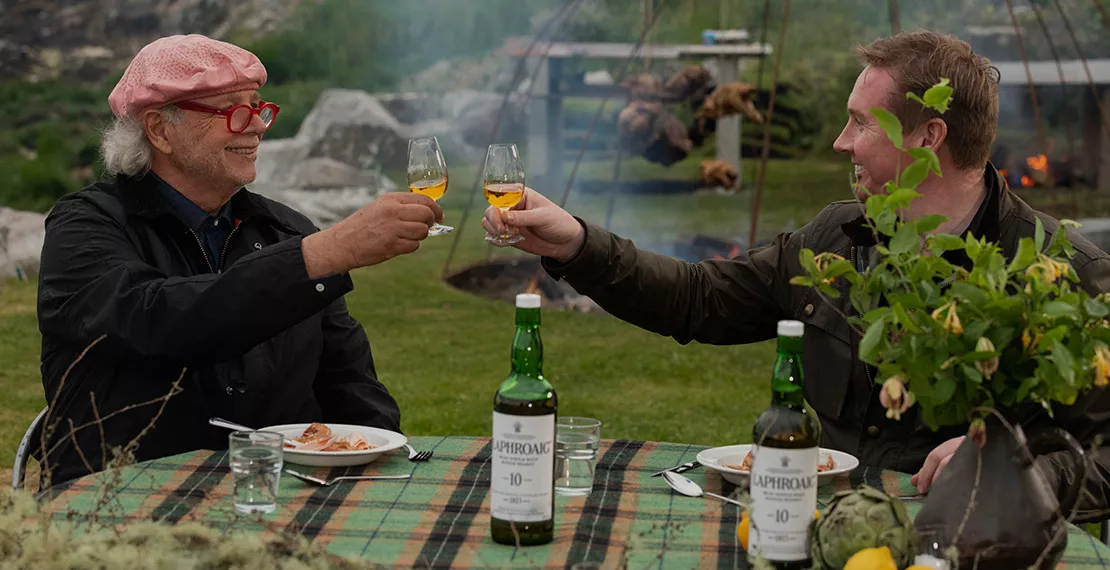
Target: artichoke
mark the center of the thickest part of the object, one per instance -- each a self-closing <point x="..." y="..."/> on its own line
<point x="858" y="519"/>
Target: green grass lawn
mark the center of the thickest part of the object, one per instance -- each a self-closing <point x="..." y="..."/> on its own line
<point x="442" y="352"/>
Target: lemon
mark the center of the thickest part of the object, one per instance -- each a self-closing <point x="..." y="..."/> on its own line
<point x="742" y="530"/>
<point x="878" y="558"/>
<point x="745" y="524"/>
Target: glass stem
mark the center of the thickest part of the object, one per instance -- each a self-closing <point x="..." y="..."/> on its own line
<point x="508" y="231"/>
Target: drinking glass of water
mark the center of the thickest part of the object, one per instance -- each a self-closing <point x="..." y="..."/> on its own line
<point x="255" y="469"/>
<point x="576" y="441"/>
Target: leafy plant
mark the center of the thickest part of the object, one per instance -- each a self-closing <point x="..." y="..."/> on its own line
<point x="960" y="340"/>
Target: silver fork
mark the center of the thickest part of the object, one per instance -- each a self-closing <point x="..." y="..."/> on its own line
<point x="328" y="482"/>
<point x="415" y="455"/>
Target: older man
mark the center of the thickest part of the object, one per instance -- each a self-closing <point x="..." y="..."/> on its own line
<point x="182" y="270"/>
<point x="740" y="300"/>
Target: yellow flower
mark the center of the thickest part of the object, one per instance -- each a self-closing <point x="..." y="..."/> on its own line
<point x="895" y="398"/>
<point x="1047" y="270"/>
<point x="1101" y="364"/>
<point x="990" y="366"/>
<point x="951" y="318"/>
<point x="1028" y="341"/>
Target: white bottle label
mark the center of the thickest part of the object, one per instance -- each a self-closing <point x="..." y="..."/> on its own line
<point x="784" y="498"/>
<point x="523" y="467"/>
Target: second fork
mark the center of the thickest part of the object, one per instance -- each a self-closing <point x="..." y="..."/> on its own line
<point x="415" y="455"/>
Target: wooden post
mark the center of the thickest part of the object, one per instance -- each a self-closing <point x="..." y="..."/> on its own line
<point x="538" y="119"/>
<point x="545" y="129"/>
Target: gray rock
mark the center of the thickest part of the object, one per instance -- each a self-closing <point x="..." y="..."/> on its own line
<point x="21" y="237"/>
<point x="352" y="126"/>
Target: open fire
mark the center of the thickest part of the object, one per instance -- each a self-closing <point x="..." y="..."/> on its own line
<point x="1037" y="167"/>
<point x="1036" y="170"/>
<point x="502" y="279"/>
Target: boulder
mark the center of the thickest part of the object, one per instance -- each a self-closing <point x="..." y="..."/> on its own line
<point x="21" y="237"/>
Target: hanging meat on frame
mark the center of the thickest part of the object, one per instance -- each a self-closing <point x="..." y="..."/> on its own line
<point x="719" y="173"/>
<point x="648" y="129"/>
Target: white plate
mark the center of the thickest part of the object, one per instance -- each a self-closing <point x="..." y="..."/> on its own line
<point x="716" y="458"/>
<point x="383" y="440"/>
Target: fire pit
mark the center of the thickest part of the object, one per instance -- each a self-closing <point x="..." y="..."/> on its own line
<point x="502" y="279"/>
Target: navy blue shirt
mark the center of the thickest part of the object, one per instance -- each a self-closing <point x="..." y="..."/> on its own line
<point x="212" y="231"/>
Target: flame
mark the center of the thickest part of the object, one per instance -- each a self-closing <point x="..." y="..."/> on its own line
<point x="733" y="252"/>
<point x="1027" y="182"/>
<point x="1038" y="163"/>
<point x="533" y="284"/>
<point x="1005" y="173"/>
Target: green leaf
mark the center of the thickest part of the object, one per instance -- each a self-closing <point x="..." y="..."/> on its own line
<point x="838" y="267"/>
<point x="900" y="197"/>
<point x="1026" y="385"/>
<point x="1025" y="255"/>
<point x="1064" y="362"/>
<point x="890" y="124"/>
<point x="801" y="280"/>
<point x="885" y="222"/>
<point x="1095" y="308"/>
<point x="905" y="240"/>
<point x="1059" y="309"/>
<point x="940" y="243"/>
<point x="976" y="330"/>
<point x="829" y="290"/>
<point x="939" y="96"/>
<point x="930" y="157"/>
<point x="974" y="295"/>
<point x="972" y="373"/>
<point x="875" y="206"/>
<point x="868" y="347"/>
<point x="914" y="174"/>
<point x="805" y="257"/>
<point x="1039" y="235"/>
<point x="903" y="318"/>
<point x="945" y="388"/>
<point x="876" y="314"/>
<point x="930" y="223"/>
<point x="973" y="247"/>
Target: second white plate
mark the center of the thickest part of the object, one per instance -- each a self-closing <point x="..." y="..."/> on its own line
<point x="718" y="459"/>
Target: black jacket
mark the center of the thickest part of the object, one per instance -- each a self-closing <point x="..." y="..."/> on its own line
<point x="261" y="343"/>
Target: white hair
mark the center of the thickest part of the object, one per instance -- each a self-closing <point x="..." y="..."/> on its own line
<point x="125" y="147"/>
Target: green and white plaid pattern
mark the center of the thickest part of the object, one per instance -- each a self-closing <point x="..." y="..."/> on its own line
<point x="440" y="517"/>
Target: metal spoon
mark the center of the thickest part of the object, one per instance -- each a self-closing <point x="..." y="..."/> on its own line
<point x="684" y="485"/>
<point x="220" y="422"/>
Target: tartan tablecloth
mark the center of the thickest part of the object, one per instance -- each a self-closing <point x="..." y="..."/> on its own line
<point x="440" y="517"/>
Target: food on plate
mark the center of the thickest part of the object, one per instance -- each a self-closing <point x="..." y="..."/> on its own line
<point x="315" y="432"/>
<point x="319" y="437"/>
<point x="826" y="465"/>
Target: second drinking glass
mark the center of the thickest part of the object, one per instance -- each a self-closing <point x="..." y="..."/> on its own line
<point x="427" y="174"/>
<point x="503" y="185"/>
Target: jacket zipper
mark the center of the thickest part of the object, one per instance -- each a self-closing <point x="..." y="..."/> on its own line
<point x="227" y="242"/>
<point x="202" y="251"/>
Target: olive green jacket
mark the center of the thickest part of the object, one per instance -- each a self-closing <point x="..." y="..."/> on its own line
<point x="740" y="300"/>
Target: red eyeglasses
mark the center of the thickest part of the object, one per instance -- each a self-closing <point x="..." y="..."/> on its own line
<point x="238" y="116"/>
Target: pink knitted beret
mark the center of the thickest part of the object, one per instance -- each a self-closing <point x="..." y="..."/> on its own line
<point x="176" y="68"/>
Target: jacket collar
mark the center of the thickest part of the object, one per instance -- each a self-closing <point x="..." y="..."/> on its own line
<point x="140" y="197"/>
<point x="987" y="221"/>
